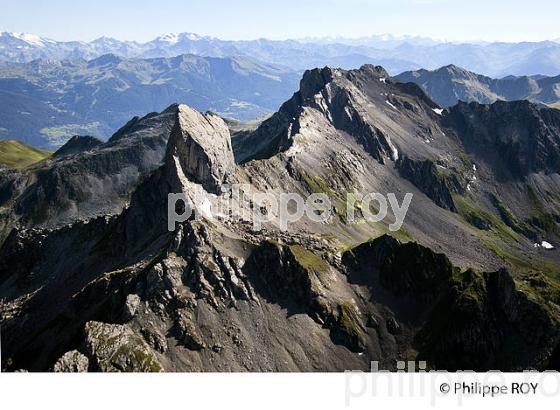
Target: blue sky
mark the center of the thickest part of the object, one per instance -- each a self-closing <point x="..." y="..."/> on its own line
<point x="142" y="20"/>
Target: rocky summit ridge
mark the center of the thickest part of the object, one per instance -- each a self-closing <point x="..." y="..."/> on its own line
<point x="460" y="285"/>
<point x="201" y="144"/>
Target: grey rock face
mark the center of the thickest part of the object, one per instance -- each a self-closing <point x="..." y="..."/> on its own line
<point x="72" y="362"/>
<point x="188" y="333"/>
<point x="425" y="175"/>
<point x="131" y="306"/>
<point x="202" y="145"/>
<point x="517" y="138"/>
<point x="475" y="314"/>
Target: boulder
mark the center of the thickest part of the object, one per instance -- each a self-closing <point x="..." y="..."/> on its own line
<point x="72" y="362"/>
<point x="116" y="348"/>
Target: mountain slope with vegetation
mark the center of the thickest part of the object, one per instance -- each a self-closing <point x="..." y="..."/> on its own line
<point x="15" y="154"/>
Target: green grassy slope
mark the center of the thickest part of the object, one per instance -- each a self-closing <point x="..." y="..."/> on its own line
<point x="15" y="154"/>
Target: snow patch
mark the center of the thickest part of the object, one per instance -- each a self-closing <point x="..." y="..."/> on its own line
<point x="392" y="106"/>
<point x="30" y="39"/>
<point x="348" y="113"/>
<point x="544" y="244"/>
<point x="394" y="150"/>
<point x="173" y="38"/>
<point x="547" y="245"/>
<point x="438" y="111"/>
<point x="383" y="80"/>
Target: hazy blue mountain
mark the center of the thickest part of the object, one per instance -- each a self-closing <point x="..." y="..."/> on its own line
<point x="24" y="47"/>
<point x="44" y="102"/>
<point x="397" y="54"/>
<point x="451" y="84"/>
<point x="299" y="55"/>
<point x="378" y="41"/>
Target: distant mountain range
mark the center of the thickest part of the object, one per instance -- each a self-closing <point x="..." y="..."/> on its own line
<point x="45" y="102"/>
<point x="397" y="54"/>
<point x="51" y="90"/>
<point x="451" y="84"/>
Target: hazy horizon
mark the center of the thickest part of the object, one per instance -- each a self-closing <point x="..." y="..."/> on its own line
<point x="333" y="39"/>
<point x="141" y="21"/>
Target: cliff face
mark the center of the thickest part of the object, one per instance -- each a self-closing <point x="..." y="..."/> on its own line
<point x="461" y="285"/>
<point x="468" y="320"/>
<point x="516" y="138"/>
<point x="202" y="146"/>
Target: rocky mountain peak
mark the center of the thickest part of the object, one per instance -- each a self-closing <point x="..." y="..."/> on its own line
<point x="361" y="103"/>
<point x="106" y="59"/>
<point x="314" y="81"/>
<point x="201" y="145"/>
<point x="453" y="69"/>
<point x="374" y="71"/>
<point x="77" y="144"/>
